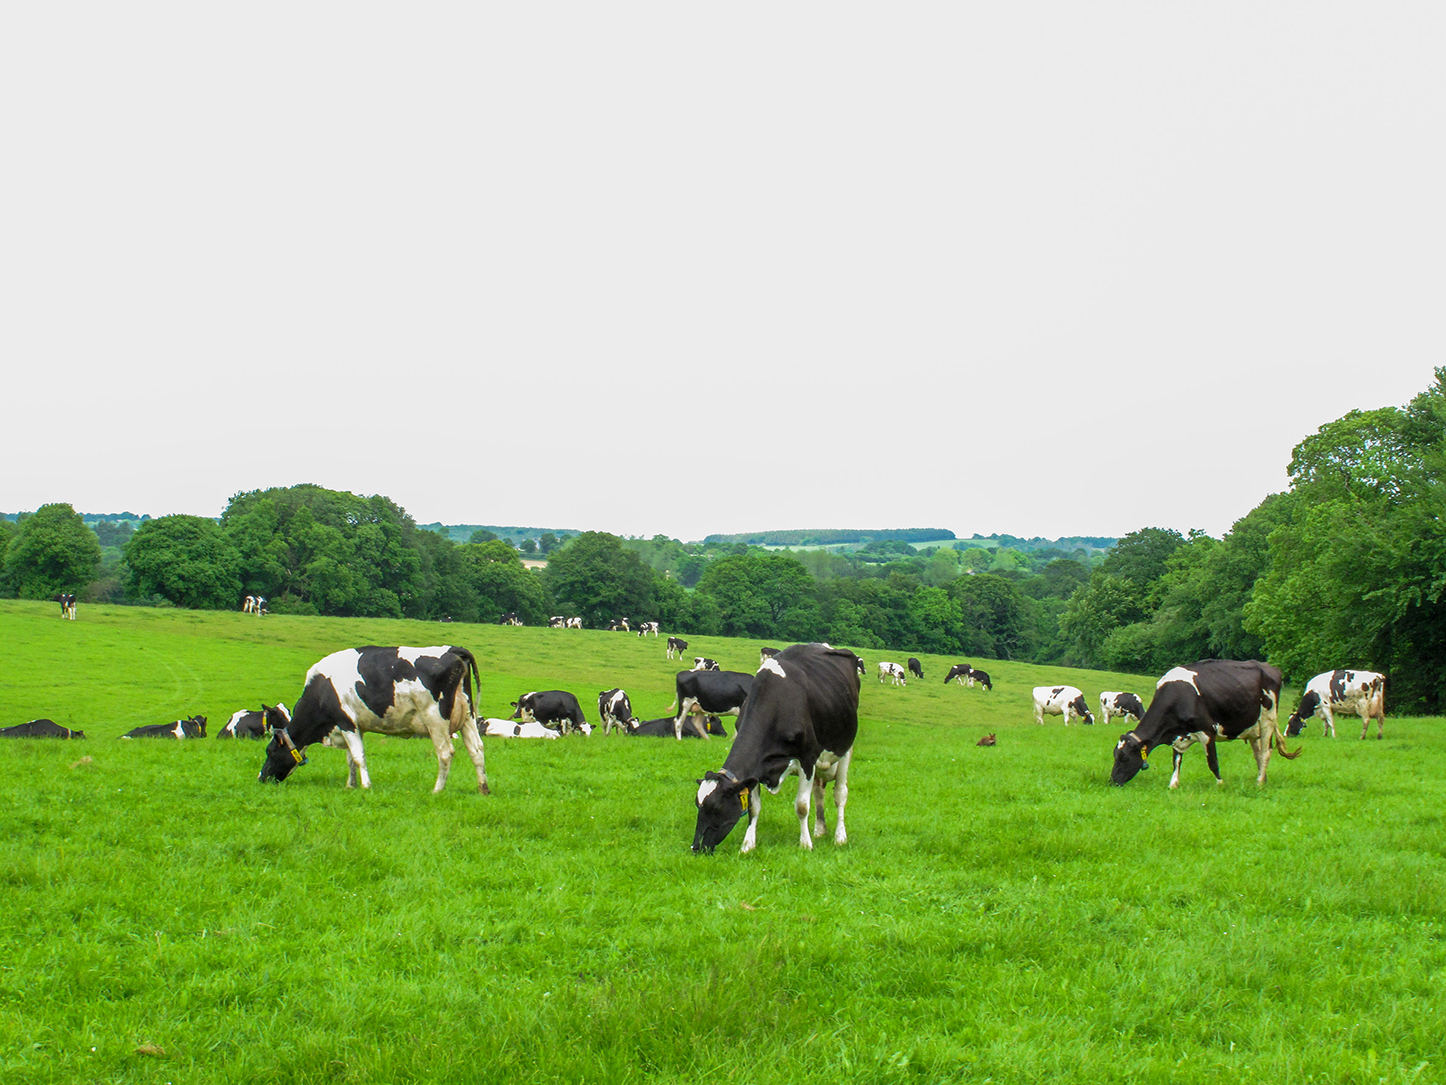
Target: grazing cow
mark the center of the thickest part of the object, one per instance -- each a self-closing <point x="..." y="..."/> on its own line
<point x="511" y="618"/>
<point x="1120" y="704"/>
<point x="557" y="621"/>
<point x="916" y="668"/>
<point x="663" y="728"/>
<point x="248" y="605"/>
<point x="552" y="706"/>
<point x="893" y="671"/>
<point x="1361" y="692"/>
<point x="714" y="693"/>
<point x="261" y="606"/>
<point x="765" y="654"/>
<point x="574" y="623"/>
<point x="615" y="710"/>
<point x="514" y="729"/>
<point x="195" y="727"/>
<point x="247" y="724"/>
<point x="67" y="606"/>
<point x="644" y="628"/>
<point x="392" y="691"/>
<point x="39" y="729"/>
<point x="982" y="677"/>
<point x="1208" y="701"/>
<point x="802" y="718"/>
<point x="1063" y="701"/>
<point x="987" y="740"/>
<point x="703" y="663"/>
<point x="961" y="673"/>
<point x="618" y="625"/>
<point x="676" y="647"/>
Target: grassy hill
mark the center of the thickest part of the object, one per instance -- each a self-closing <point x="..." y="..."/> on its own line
<point x="999" y="913"/>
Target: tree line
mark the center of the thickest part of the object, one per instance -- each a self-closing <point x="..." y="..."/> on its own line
<point x="1345" y="568"/>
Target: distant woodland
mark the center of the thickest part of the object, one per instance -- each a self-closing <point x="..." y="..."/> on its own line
<point x="1345" y="568"/>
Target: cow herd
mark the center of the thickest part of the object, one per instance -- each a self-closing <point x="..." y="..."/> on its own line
<point x="796" y="715"/>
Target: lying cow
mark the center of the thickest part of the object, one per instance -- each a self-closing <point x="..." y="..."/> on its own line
<point x="663" y="728"/>
<point x="1120" y="704"/>
<point x="514" y="729"/>
<point x="614" y="709"/>
<point x="676" y="647"/>
<point x="247" y="724"/>
<point x="39" y="729"/>
<point x="801" y="718"/>
<point x="893" y="672"/>
<point x="1361" y="692"/>
<point x="554" y="707"/>
<point x="1063" y="701"/>
<point x="703" y="663"/>
<point x="392" y="691"/>
<point x="195" y="727"/>
<point x="1209" y="701"/>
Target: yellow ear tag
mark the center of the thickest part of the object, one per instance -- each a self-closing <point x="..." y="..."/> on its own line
<point x="296" y="755"/>
<point x="743" y="798"/>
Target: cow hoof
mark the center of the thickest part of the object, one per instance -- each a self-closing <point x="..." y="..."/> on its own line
<point x="483" y="789"/>
<point x="841" y="839"/>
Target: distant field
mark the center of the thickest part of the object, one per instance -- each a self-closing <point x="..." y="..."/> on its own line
<point x="999" y="914"/>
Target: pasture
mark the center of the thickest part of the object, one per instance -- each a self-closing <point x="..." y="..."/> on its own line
<point x="1000" y="914"/>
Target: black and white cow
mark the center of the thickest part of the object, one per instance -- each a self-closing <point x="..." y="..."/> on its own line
<point x="574" y="623"/>
<point x="676" y="647"/>
<point x="1120" y="704"/>
<point x="67" y="606"/>
<point x="663" y="728"/>
<point x="916" y="668"/>
<point x="1063" y="701"/>
<point x="1361" y="692"/>
<point x="615" y="710"/>
<point x="961" y="673"/>
<point x="709" y="693"/>
<point x="195" y="727"/>
<point x="765" y="654"/>
<point x="261" y="606"/>
<point x="802" y="718"/>
<point x="703" y="663"/>
<point x="618" y="625"/>
<point x="248" y="605"/>
<point x="644" y="628"/>
<point x="40" y="729"/>
<point x="511" y="618"/>
<point x="392" y="691"/>
<point x="557" y="621"/>
<point x="496" y="728"/>
<point x="1210" y="701"/>
<point x="553" y="707"/>
<point x="982" y="677"/>
<point x="247" y="724"/>
<point x="893" y="672"/>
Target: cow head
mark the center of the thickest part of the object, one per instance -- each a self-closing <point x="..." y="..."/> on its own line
<point x="195" y="727"/>
<point x="1130" y="758"/>
<point x="1082" y="710"/>
<point x="1308" y="704"/>
<point x="721" y="802"/>
<point x="277" y="717"/>
<point x="281" y="757"/>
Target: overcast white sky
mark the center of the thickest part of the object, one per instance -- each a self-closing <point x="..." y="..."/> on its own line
<point x="1029" y="268"/>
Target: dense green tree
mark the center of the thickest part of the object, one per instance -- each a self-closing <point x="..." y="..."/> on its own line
<point x="482" y="535"/>
<point x="499" y="583"/>
<point x="187" y="560"/>
<point x="52" y="552"/>
<point x="764" y="595"/>
<point x="997" y="617"/>
<point x="594" y="577"/>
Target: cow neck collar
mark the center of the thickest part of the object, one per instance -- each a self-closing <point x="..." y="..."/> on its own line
<point x="726" y="771"/>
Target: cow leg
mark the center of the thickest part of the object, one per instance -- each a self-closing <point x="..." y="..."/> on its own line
<point x="755" y="807"/>
<point x="684" y="708"/>
<point x="356" y="760"/>
<point x="442" y="743"/>
<point x="472" y="740"/>
<point x="1212" y="758"/>
<point x="840" y="795"/>
<point x="1039" y="715"/>
<point x="820" y="824"/>
<point x="1261" y="746"/>
<point x="1330" y="721"/>
<point x="800" y="807"/>
<point x="1175" y="776"/>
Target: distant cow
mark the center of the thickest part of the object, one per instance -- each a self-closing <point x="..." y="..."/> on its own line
<point x="574" y="623"/>
<point x="676" y="647"/>
<point x="551" y="706"/>
<point x="703" y="663"/>
<point x="712" y="693"/>
<point x="982" y="677"/>
<point x="961" y="673"/>
<point x="894" y="672"/>
<point x="802" y="718"/>
<point x="644" y="628"/>
<point x="1361" y="692"/>
<point x="511" y="618"/>
<point x="618" y="625"/>
<point x="39" y="729"/>
<point x="390" y="690"/>
<point x="1063" y="701"/>
<point x="195" y="727"/>
<point x="1120" y="704"/>
<point x="67" y="606"/>
<point x="663" y="728"/>
<point x="248" y="605"/>
<point x="557" y="621"/>
<point x="916" y="668"/>
<point x="515" y="729"/>
<point x="247" y="724"/>
<point x="1208" y="701"/>
<point x="765" y="654"/>
<point x="614" y="709"/>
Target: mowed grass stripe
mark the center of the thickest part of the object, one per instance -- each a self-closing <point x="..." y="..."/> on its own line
<point x="999" y="912"/>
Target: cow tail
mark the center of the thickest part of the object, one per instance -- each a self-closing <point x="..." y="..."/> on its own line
<point x="470" y="677"/>
<point x="1279" y="743"/>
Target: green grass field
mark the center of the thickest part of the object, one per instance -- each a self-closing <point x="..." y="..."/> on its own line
<point x="999" y="914"/>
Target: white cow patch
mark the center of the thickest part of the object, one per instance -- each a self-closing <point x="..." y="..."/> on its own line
<point x="1179" y="674"/>
<point x="411" y="655"/>
<point x="706" y="788"/>
<point x="771" y="664"/>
